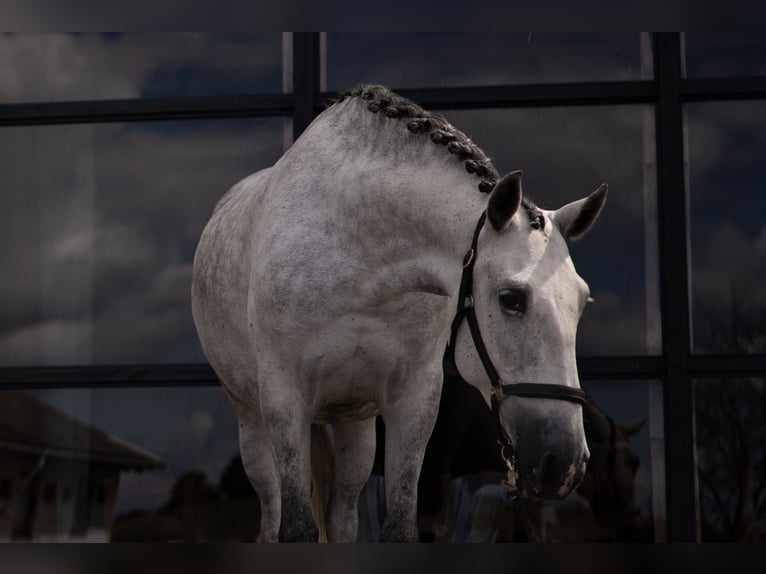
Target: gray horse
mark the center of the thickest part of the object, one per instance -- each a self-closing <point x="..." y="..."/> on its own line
<point x="324" y="291"/>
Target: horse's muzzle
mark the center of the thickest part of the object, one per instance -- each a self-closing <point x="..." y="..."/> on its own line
<point x="553" y="476"/>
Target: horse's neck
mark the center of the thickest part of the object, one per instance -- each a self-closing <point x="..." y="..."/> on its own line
<point x="405" y="190"/>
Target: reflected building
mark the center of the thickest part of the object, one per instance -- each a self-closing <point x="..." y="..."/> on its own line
<point x="59" y="477"/>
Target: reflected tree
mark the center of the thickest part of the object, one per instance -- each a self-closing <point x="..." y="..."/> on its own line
<point x="730" y="420"/>
<point x="729" y="320"/>
<point x="731" y="451"/>
<point x="198" y="511"/>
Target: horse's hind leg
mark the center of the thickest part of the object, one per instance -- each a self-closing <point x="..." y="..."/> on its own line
<point x="354" y="455"/>
<point x="258" y="460"/>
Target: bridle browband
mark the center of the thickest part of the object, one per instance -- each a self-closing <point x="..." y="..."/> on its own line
<point x="500" y="391"/>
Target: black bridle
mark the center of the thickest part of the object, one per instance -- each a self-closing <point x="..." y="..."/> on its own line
<point x="500" y="390"/>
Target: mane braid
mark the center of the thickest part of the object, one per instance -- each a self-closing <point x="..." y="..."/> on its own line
<point x="440" y="132"/>
<point x="420" y="121"/>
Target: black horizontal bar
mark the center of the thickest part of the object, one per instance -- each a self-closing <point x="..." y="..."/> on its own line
<point x="621" y="367"/>
<point x="48" y="113"/>
<point x="727" y="365"/>
<point x="528" y="95"/>
<point x="97" y="376"/>
<point x="710" y="89"/>
<point x="590" y="368"/>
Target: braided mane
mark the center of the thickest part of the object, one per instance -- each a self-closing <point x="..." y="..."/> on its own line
<point x="440" y="132"/>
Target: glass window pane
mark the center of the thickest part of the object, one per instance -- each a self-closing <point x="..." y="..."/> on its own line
<point x="162" y="464"/>
<point x="566" y="153"/>
<point x="721" y="54"/>
<point x="418" y="60"/>
<point x="49" y="67"/>
<point x="99" y="230"/>
<point x="728" y="234"/>
<point x="123" y="465"/>
<point x="622" y="498"/>
<point x="730" y="431"/>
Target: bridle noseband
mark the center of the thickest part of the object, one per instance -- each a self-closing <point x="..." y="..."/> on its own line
<point x="500" y="391"/>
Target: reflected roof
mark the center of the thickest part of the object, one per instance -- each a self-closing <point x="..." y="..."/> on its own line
<point x="30" y="425"/>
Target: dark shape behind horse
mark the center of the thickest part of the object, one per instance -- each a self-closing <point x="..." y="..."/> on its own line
<point x="464" y="445"/>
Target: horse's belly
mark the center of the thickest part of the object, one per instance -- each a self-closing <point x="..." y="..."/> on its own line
<point x="346" y="412"/>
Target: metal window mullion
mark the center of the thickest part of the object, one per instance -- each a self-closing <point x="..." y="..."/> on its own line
<point x="528" y="95"/>
<point x="207" y="107"/>
<point x="202" y="374"/>
<point x="106" y="376"/>
<point x="723" y="89"/>
<point x="674" y="288"/>
<point x="306" y="79"/>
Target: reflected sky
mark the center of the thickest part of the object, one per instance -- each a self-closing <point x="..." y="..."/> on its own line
<point x="728" y="235"/>
<point x="722" y="54"/>
<point x="427" y="59"/>
<point x="89" y="66"/>
<point x="102" y="221"/>
<point x="566" y="153"/>
<point x="188" y="429"/>
<point x="101" y="229"/>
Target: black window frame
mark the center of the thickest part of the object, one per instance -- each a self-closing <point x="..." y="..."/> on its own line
<point x="666" y="93"/>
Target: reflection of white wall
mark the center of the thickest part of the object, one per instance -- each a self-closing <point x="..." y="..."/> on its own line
<point x="72" y="514"/>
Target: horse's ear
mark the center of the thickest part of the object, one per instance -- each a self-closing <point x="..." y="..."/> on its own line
<point x="504" y="201"/>
<point x="576" y="218"/>
<point x="632" y="427"/>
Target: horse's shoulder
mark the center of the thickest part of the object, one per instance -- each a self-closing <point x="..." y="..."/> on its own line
<point x="242" y="188"/>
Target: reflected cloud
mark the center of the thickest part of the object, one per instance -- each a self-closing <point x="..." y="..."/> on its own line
<point x="614" y="324"/>
<point x="90" y="66"/>
<point x="728" y="247"/>
<point x="417" y="60"/>
<point x="109" y="248"/>
<point x="729" y="301"/>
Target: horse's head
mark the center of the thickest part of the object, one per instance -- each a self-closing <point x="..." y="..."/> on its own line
<point x="528" y="300"/>
<point x="609" y="485"/>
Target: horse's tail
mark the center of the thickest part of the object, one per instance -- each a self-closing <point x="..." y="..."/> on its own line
<point x="322" y="467"/>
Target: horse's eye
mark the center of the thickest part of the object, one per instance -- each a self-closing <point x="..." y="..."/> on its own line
<point x="513" y="301"/>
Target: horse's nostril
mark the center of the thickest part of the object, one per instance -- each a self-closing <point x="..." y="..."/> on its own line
<point x="549" y="473"/>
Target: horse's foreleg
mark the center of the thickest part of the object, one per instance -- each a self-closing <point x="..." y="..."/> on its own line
<point x="354" y="455"/>
<point x="409" y="424"/>
<point x="258" y="460"/>
<point x="290" y="433"/>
